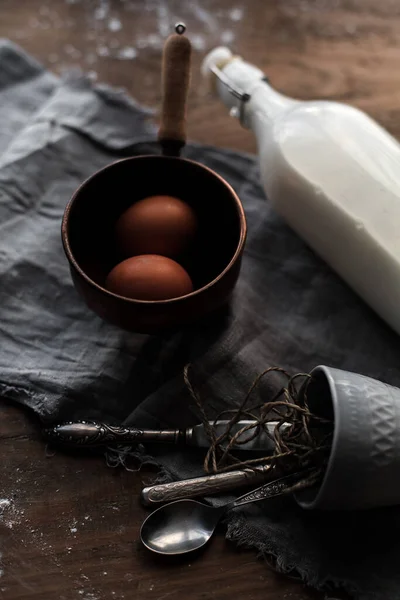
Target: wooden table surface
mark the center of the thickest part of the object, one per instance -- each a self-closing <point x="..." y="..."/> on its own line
<point x="69" y="526"/>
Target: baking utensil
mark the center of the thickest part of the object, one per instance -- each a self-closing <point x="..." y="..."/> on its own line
<point x="84" y="434"/>
<point x="203" y="486"/>
<point x="187" y="525"/>
<point x="88" y="224"/>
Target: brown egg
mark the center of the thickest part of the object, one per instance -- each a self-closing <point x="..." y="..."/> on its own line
<point x="156" y="225"/>
<point x="149" y="277"/>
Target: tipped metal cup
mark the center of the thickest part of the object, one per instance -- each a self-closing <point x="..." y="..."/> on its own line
<point x="363" y="470"/>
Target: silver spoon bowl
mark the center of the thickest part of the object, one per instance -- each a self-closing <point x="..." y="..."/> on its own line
<point x="179" y="527"/>
<point x="187" y="525"/>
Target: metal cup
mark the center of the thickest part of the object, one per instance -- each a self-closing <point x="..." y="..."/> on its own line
<point x="214" y="264"/>
<point x="214" y="259"/>
<point x="363" y="470"/>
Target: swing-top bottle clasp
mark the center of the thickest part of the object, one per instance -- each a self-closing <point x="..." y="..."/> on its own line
<point x="242" y="97"/>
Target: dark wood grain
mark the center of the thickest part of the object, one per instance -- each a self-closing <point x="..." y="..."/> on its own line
<point x="69" y="526"/>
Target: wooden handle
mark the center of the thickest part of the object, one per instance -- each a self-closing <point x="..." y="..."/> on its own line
<point x="175" y="85"/>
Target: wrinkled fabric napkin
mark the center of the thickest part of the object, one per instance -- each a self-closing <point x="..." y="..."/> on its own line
<point x="289" y="309"/>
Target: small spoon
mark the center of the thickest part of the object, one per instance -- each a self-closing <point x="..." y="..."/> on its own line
<point x="186" y="525"/>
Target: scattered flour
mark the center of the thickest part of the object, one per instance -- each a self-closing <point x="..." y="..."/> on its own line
<point x="206" y="27"/>
<point x="9" y="515"/>
<point x="72" y="51"/>
<point x="73" y="526"/>
<point x="164" y="19"/>
<point x="103" y="50"/>
<point x="127" y="53"/>
<point x="90" y="59"/>
<point x="227" y="37"/>
<point x="4" y="503"/>
<point x="114" y="25"/>
<point x="14" y="518"/>
<point x="198" y="41"/>
<point x="236" y="14"/>
<point x="153" y="40"/>
<point x="102" y="10"/>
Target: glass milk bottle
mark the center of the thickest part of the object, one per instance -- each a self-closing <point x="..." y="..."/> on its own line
<point x="331" y="171"/>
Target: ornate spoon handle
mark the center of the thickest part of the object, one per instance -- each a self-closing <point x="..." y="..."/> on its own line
<point x="271" y="489"/>
<point x="202" y="486"/>
<point x="90" y="434"/>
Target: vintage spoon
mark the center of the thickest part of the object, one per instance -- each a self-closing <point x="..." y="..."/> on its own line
<point x="186" y="525"/>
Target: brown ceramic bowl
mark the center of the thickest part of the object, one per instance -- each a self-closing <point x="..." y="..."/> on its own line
<point x="213" y="263"/>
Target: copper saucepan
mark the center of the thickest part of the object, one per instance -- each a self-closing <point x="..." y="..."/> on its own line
<point x="90" y="216"/>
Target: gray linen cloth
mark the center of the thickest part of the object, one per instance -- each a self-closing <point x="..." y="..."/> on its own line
<point x="289" y="309"/>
